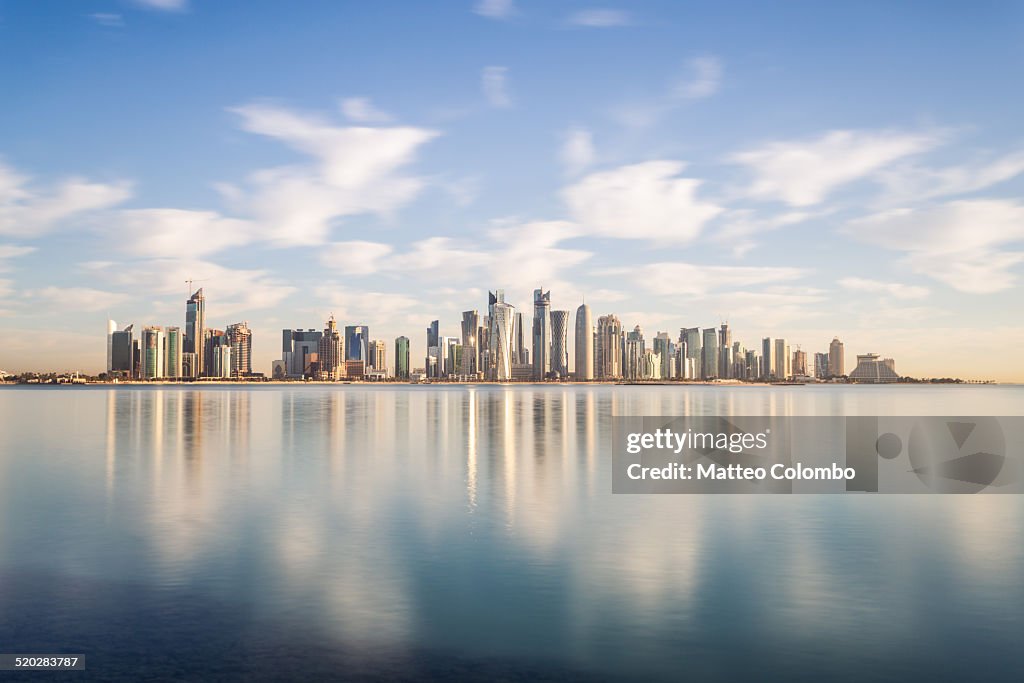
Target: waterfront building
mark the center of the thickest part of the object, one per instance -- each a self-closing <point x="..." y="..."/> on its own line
<point x="633" y="364"/>
<point x="725" y="351"/>
<point x="821" y="365"/>
<point x="331" y="352"/>
<point x="666" y="353"/>
<point x="836" y="358"/>
<point x="378" y="356"/>
<point x="541" y="333"/>
<point x="560" y="344"/>
<point x="520" y="354"/>
<point x="402" y="358"/>
<point x="299" y="350"/>
<point x="153" y="353"/>
<point x="584" y="344"/>
<point x="872" y="370"/>
<point x="608" y="348"/>
<point x="195" y="330"/>
<point x="767" y="359"/>
<point x="709" y="354"/>
<point x="111" y="329"/>
<point x="221" y="357"/>
<point x="799" y="363"/>
<point x="240" y="338"/>
<point x="121" y="343"/>
<point x="500" y="336"/>
<point x="470" y="355"/>
<point x="782" y="360"/>
<point x="357" y="340"/>
<point x="172" y="352"/>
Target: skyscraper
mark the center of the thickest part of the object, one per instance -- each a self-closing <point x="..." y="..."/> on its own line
<point x="402" y="358"/>
<point x="520" y="354"/>
<point x="111" y="329"/>
<point x="152" y="353"/>
<point x="836" y="358"/>
<point x="240" y="338"/>
<point x="121" y="352"/>
<point x="767" y="359"/>
<point x="357" y="339"/>
<point x="299" y="350"/>
<point x="331" y="351"/>
<point x="799" y="366"/>
<point x="821" y="365"/>
<point x="724" y="351"/>
<point x="470" y="325"/>
<point x="378" y="356"/>
<point x="633" y="367"/>
<point x="560" y="343"/>
<point x="584" y="345"/>
<point x="500" y="339"/>
<point x="195" y="330"/>
<point x="663" y="347"/>
<point x="172" y="349"/>
<point x="692" y="339"/>
<point x="709" y="351"/>
<point x="608" y="349"/>
<point x="541" y="333"/>
<point x="782" y="360"/>
<point x="434" y="362"/>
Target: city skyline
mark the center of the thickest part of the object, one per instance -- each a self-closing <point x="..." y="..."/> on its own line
<point x="381" y="164"/>
<point x="491" y="347"/>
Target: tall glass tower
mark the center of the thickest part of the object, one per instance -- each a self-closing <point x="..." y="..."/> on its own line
<point x="195" y="330"/>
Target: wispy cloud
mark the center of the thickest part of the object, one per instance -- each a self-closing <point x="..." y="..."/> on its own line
<point x="108" y="19"/>
<point x="495" y="9"/>
<point x="703" y="79"/>
<point x="493" y="83"/>
<point x="27" y="210"/>
<point x="805" y="172"/>
<point x="600" y="18"/>
<point x="641" y="201"/>
<point x="158" y="232"/>
<point x="361" y="110"/>
<point x="163" y="5"/>
<point x="914" y="183"/>
<point x="682" y="278"/>
<point x="893" y="289"/>
<point x="963" y="243"/>
<point x="353" y="170"/>
<point x="577" y="151"/>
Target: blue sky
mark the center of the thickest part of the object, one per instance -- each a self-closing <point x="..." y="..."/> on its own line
<point x="802" y="170"/>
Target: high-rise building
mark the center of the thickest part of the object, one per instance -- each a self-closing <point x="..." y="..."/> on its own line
<point x="121" y="352"/>
<point x="331" y="352"/>
<point x="767" y="359"/>
<point x="500" y="336"/>
<point x="690" y="336"/>
<point x="725" y="351"/>
<point x="378" y="356"/>
<point x="300" y="349"/>
<point x="434" y="362"/>
<point x="836" y="358"/>
<point x="633" y="364"/>
<point x="608" y="348"/>
<point x="541" y="333"/>
<point x="664" y="349"/>
<point x="402" y="358"/>
<point x="584" y="344"/>
<point x="240" y="337"/>
<point x="799" y="366"/>
<point x="195" y="330"/>
<point x="709" y="354"/>
<point x="520" y="354"/>
<point x="172" y="348"/>
<point x="111" y="329"/>
<point x="220" y="354"/>
<point x="560" y="343"/>
<point x="357" y="340"/>
<point x="153" y="353"/>
<point x="821" y="365"/>
<point x="470" y="355"/>
<point x="783" y="370"/>
<point x="452" y="356"/>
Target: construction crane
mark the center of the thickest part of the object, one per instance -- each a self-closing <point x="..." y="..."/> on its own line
<point x="189" y="283"/>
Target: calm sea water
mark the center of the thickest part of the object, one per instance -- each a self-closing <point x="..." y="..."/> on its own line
<point x="454" y="533"/>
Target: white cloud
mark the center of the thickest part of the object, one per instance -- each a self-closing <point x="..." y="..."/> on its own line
<point x="355" y="257"/>
<point x="804" y="172"/>
<point x="166" y="232"/>
<point x="361" y="110"/>
<point x="894" y="289"/>
<point x="705" y="75"/>
<point x="640" y="201"/>
<point x="108" y="19"/>
<point x="577" y="150"/>
<point x="164" y="5"/>
<point x="26" y="211"/>
<point x="8" y="251"/>
<point x="600" y="18"/>
<point x="495" y="9"/>
<point x="960" y="243"/>
<point x="75" y="299"/>
<point x="494" y="86"/>
<point x="689" y="279"/>
<point x="916" y="183"/>
<point x="356" y="170"/>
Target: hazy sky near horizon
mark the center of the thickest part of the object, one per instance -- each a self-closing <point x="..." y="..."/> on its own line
<point x="800" y="169"/>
